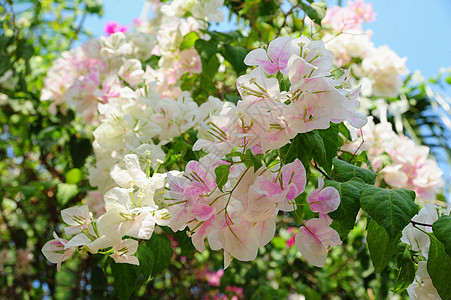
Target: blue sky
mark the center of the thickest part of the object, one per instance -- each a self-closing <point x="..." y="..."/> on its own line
<point x="417" y="29"/>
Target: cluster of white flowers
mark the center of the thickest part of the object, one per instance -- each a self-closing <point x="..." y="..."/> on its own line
<point x="400" y="162"/>
<point x="140" y="123"/>
<point x="94" y="72"/>
<point x="137" y="111"/>
<point x="268" y="117"/>
<point x="173" y="62"/>
<point x="131" y="210"/>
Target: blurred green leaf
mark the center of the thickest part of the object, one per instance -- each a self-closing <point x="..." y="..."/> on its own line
<point x="65" y="193"/>
<point x="189" y="40"/>
<point x="74" y="176"/>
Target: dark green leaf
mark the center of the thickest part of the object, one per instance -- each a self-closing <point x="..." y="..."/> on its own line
<point x="153" y="62"/>
<point x="316" y="11"/>
<point x="298" y="148"/>
<point x="80" y="149"/>
<point x="316" y="144"/>
<point x="222" y="175"/>
<point x="146" y="260"/>
<point x="94" y="7"/>
<point x="185" y="243"/>
<point x="235" y="56"/>
<point x="162" y="252"/>
<point x="344" y="216"/>
<point x="442" y="230"/>
<point x="439" y="267"/>
<point x="381" y="247"/>
<point x="98" y="281"/>
<point x="125" y="279"/>
<point x="344" y="171"/>
<point x="252" y="160"/>
<point x="206" y="49"/>
<point x="391" y="209"/>
<point x="330" y="139"/>
<point x="406" y="271"/>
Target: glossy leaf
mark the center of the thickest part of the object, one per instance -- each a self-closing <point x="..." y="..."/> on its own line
<point x="442" y="230"/>
<point x="439" y="267"/>
<point x="381" y="247"/>
<point x="391" y="209"/>
<point x="222" y="175"/>
<point x="161" y="248"/>
<point x="344" y="171"/>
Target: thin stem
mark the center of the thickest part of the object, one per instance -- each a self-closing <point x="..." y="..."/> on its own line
<point x="414" y="223"/>
<point x="321" y="171"/>
<point x="286" y="17"/>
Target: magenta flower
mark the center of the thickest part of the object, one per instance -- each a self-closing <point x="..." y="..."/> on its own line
<point x="113" y="27"/>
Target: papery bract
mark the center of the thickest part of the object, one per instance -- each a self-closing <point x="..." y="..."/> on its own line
<point x="324" y="200"/>
<point x="314" y="241"/>
<point x="56" y="252"/>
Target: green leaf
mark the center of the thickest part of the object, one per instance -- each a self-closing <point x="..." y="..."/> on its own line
<point x="235" y="56"/>
<point x="316" y="11"/>
<point x="74" y="176"/>
<point x="65" y="192"/>
<point x="344" y="131"/>
<point x="442" y="230"/>
<point x="406" y="271"/>
<point x="125" y="279"/>
<point x="330" y="139"/>
<point x="162" y="252"/>
<point x="146" y="261"/>
<point x="279" y="242"/>
<point x="439" y="267"/>
<point x="252" y="160"/>
<point x="344" y="171"/>
<point x="98" y="280"/>
<point x="381" y="247"/>
<point x="316" y="144"/>
<point x="153" y="62"/>
<point x="344" y="216"/>
<point x="185" y="243"/>
<point x="391" y="209"/>
<point x="222" y="175"/>
<point x="298" y="148"/>
<point x="94" y="7"/>
<point x="189" y="40"/>
<point x="206" y="49"/>
<point x="80" y="149"/>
